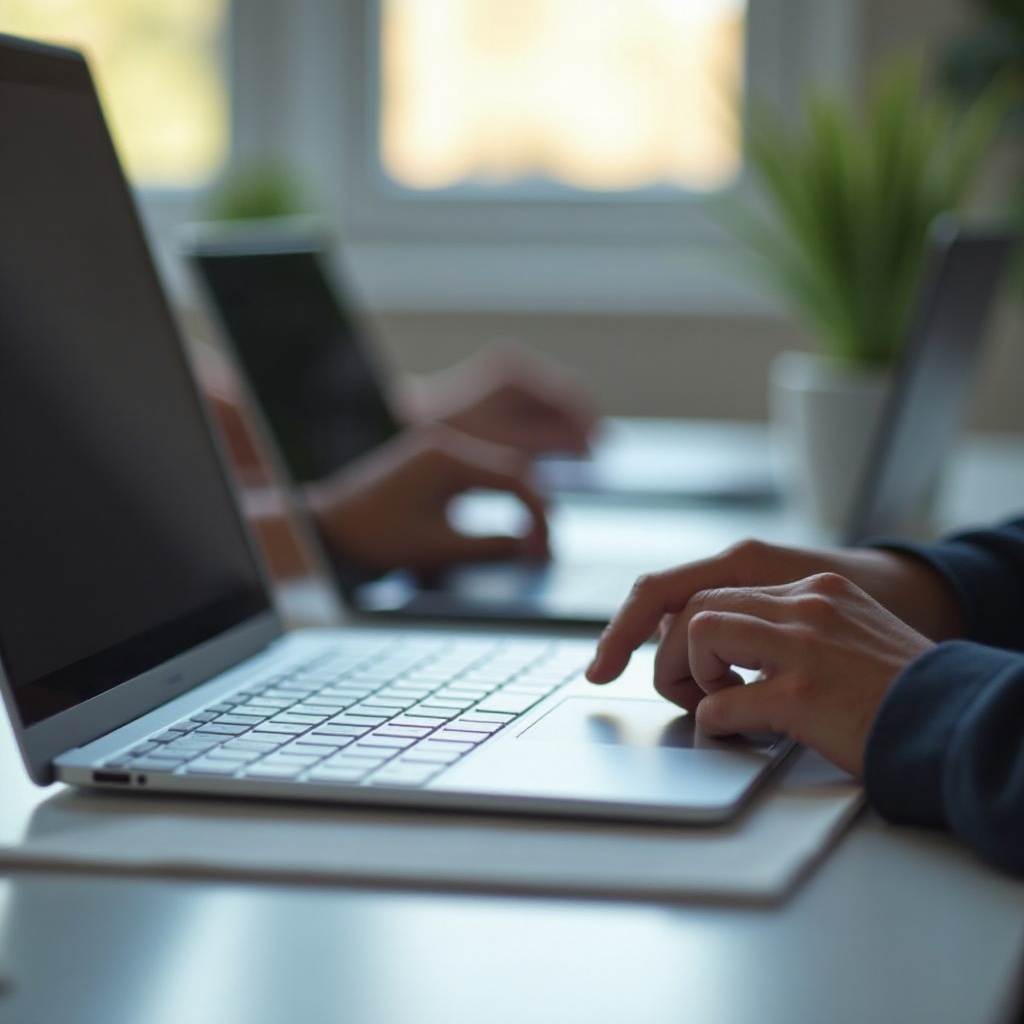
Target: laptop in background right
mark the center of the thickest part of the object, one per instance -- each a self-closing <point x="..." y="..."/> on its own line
<point x="926" y="405"/>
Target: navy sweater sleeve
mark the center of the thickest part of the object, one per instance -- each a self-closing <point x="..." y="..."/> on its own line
<point x="947" y="745"/>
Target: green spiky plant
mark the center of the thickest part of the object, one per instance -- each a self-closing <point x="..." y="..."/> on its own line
<point x="849" y="197"/>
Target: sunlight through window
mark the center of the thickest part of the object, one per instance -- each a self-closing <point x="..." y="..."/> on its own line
<point x="599" y="95"/>
<point x="159" y="71"/>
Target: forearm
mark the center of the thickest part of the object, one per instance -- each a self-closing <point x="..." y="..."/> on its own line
<point x="947" y="749"/>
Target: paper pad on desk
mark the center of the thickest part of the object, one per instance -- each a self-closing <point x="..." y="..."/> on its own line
<point x="760" y="856"/>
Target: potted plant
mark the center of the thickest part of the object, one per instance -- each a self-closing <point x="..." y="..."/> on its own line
<point x="847" y="200"/>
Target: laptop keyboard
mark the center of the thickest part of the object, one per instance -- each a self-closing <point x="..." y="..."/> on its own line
<point x="392" y="712"/>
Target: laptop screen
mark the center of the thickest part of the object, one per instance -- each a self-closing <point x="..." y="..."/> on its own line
<point x="120" y="543"/>
<point x="303" y="353"/>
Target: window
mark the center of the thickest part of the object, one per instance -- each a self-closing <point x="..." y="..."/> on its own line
<point x="558" y="154"/>
<point x="596" y="95"/>
<point x="158" y="69"/>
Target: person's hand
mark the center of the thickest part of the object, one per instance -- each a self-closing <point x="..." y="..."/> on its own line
<point x="506" y="399"/>
<point x="826" y="649"/>
<point x="389" y="509"/>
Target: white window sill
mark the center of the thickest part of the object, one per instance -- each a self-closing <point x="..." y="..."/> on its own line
<point x="626" y="279"/>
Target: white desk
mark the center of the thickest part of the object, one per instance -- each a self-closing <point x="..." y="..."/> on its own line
<point x="897" y="925"/>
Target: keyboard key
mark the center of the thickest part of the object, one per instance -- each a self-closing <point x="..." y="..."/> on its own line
<point x="292" y="717"/>
<point x="446" y="745"/>
<point x="236" y="719"/>
<point x="447" y="754"/>
<point x="409" y="719"/>
<point x="356" y="752"/>
<point x="392" y="742"/>
<point x="434" y="713"/>
<point x="171" y="734"/>
<point x="405" y="774"/>
<point x="469" y="728"/>
<point x="207" y="767"/>
<point x="238" y="756"/>
<point x="318" y="703"/>
<point x="285" y="757"/>
<point x="448" y="734"/>
<point x="412" y="731"/>
<point x="168" y="756"/>
<point x="217" y="729"/>
<point x="273" y="771"/>
<point x="388" y="703"/>
<point x="510" y="704"/>
<point x="267" y="702"/>
<point x="458" y="703"/>
<point x="339" y="773"/>
<point x="339" y="730"/>
<point x="192" y="744"/>
<point x="322" y="748"/>
<point x="355" y="717"/>
<point x="278" y="729"/>
<point x="262" y="745"/>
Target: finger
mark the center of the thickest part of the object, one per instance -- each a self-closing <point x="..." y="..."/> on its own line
<point x="719" y="641"/>
<point x="563" y="425"/>
<point x="777" y="604"/>
<point x="474" y="463"/>
<point x="750" y="708"/>
<point x="653" y="596"/>
<point x="688" y="694"/>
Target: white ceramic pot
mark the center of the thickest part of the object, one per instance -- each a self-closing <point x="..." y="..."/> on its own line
<point x="824" y="415"/>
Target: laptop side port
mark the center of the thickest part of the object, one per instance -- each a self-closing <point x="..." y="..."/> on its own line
<point x="122" y="778"/>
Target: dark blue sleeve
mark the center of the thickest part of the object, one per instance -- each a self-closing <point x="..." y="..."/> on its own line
<point x="986" y="570"/>
<point x="947" y="745"/>
<point x="947" y="749"/>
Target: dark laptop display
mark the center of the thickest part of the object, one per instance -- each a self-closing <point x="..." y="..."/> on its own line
<point x="302" y="350"/>
<point x="119" y="540"/>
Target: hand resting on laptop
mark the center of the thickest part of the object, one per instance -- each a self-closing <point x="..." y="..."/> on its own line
<point x="389" y="509"/>
<point x="860" y="658"/>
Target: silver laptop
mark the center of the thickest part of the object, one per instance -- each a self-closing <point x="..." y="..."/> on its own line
<point x="139" y="646"/>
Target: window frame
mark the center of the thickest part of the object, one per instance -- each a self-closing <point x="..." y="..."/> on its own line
<point x="303" y="88"/>
<point x="381" y="209"/>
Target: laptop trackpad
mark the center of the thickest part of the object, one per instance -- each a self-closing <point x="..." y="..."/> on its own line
<point x="631" y="722"/>
<point x="642" y="757"/>
<point x="625" y="722"/>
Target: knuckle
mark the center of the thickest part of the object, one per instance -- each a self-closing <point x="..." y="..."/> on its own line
<point x="815" y="608"/>
<point x="645" y="584"/>
<point x="748" y="551"/>
<point x="703" y="624"/>
<point x="830" y="584"/>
